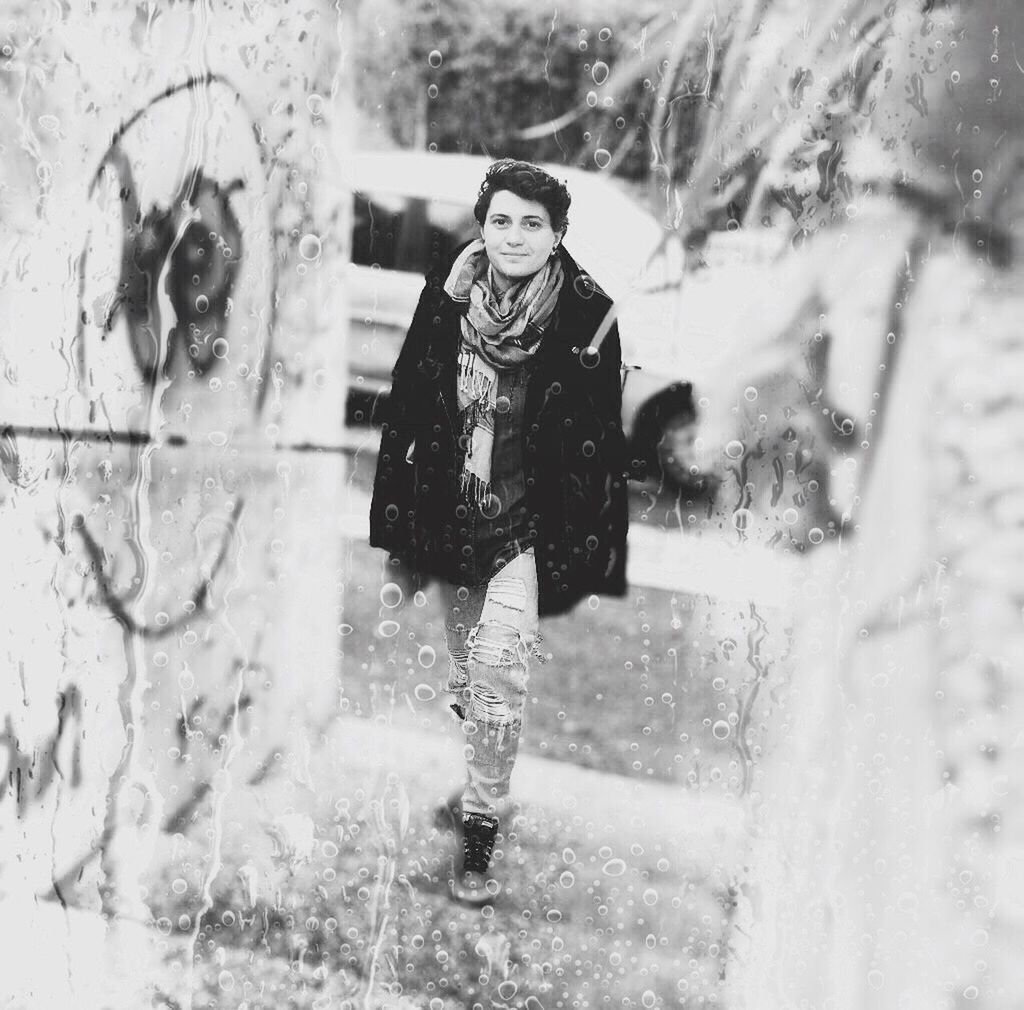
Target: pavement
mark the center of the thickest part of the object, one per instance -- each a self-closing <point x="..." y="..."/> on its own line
<point x="429" y="762"/>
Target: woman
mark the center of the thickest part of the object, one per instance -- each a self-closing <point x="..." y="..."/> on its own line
<point x="502" y="466"/>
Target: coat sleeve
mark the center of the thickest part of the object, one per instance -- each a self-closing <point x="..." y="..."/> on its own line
<point x="400" y="406"/>
<point x="604" y="393"/>
<point x="394" y="481"/>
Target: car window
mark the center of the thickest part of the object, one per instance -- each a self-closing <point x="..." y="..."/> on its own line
<point x="410" y="234"/>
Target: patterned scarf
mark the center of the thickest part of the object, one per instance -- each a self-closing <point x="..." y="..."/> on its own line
<point x="499" y="333"/>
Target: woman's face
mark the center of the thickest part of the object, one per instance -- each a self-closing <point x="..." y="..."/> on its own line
<point x="518" y="236"/>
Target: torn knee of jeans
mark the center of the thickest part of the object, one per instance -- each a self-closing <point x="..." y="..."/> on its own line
<point x="487" y="705"/>
<point x="496" y="644"/>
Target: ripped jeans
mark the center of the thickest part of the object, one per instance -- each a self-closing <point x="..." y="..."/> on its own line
<point x="490" y="632"/>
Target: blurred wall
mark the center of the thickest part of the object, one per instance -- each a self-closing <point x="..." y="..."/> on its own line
<point x="887" y="866"/>
<point x="172" y="353"/>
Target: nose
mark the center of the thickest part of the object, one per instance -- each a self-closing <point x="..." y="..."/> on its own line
<point x="515" y="235"/>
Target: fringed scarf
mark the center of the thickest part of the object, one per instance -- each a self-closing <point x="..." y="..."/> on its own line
<point x="499" y="333"/>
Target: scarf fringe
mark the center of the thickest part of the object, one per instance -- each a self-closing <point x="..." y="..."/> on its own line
<point x="474" y="488"/>
<point x="474" y="383"/>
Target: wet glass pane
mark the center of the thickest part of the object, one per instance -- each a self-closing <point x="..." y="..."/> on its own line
<point x="417" y="602"/>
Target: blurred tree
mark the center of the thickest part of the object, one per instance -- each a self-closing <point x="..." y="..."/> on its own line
<point x="747" y="107"/>
<point x="458" y="77"/>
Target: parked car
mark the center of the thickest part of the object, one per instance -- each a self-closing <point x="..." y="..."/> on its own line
<point x="411" y="209"/>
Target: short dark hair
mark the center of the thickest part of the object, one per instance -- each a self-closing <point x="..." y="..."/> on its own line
<point x="529" y="182"/>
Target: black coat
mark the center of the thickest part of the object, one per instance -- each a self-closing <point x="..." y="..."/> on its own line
<point x="575" y="452"/>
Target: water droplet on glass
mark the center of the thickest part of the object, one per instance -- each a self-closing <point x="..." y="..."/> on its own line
<point x="388" y="629"/>
<point x="790" y="516"/>
<point x="648" y="999"/>
<point x="750" y="393"/>
<point x="602" y="157"/>
<point x="202" y="304"/>
<point x="432" y="91"/>
<point x="592" y="99"/>
<point x="220" y="348"/>
<point x="599" y="72"/>
<point x="420" y="598"/>
<point x="553" y="915"/>
<point x="435" y="58"/>
<point x="650" y="896"/>
<point x="876" y="979"/>
<point x="391" y="595"/>
<point x="51" y="123"/>
<point x="567" y="878"/>
<point x="907" y="902"/>
<point x="491" y="507"/>
<point x="815" y="535"/>
<point x="590" y="357"/>
<point x="218" y="438"/>
<point x="424" y="692"/>
<point x="593" y="602"/>
<point x="742" y="518"/>
<point x="955" y="77"/>
<point x="310" y="246"/>
<point x="614" y="868"/>
<point x="507" y="989"/>
<point x="178" y="885"/>
<point x="604" y="34"/>
<point x="734" y="449"/>
<point x="315" y="104"/>
<point x="226" y="981"/>
<point x="160" y="659"/>
<point x="426" y="657"/>
<point x="345" y="629"/>
<point x="721" y="730"/>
